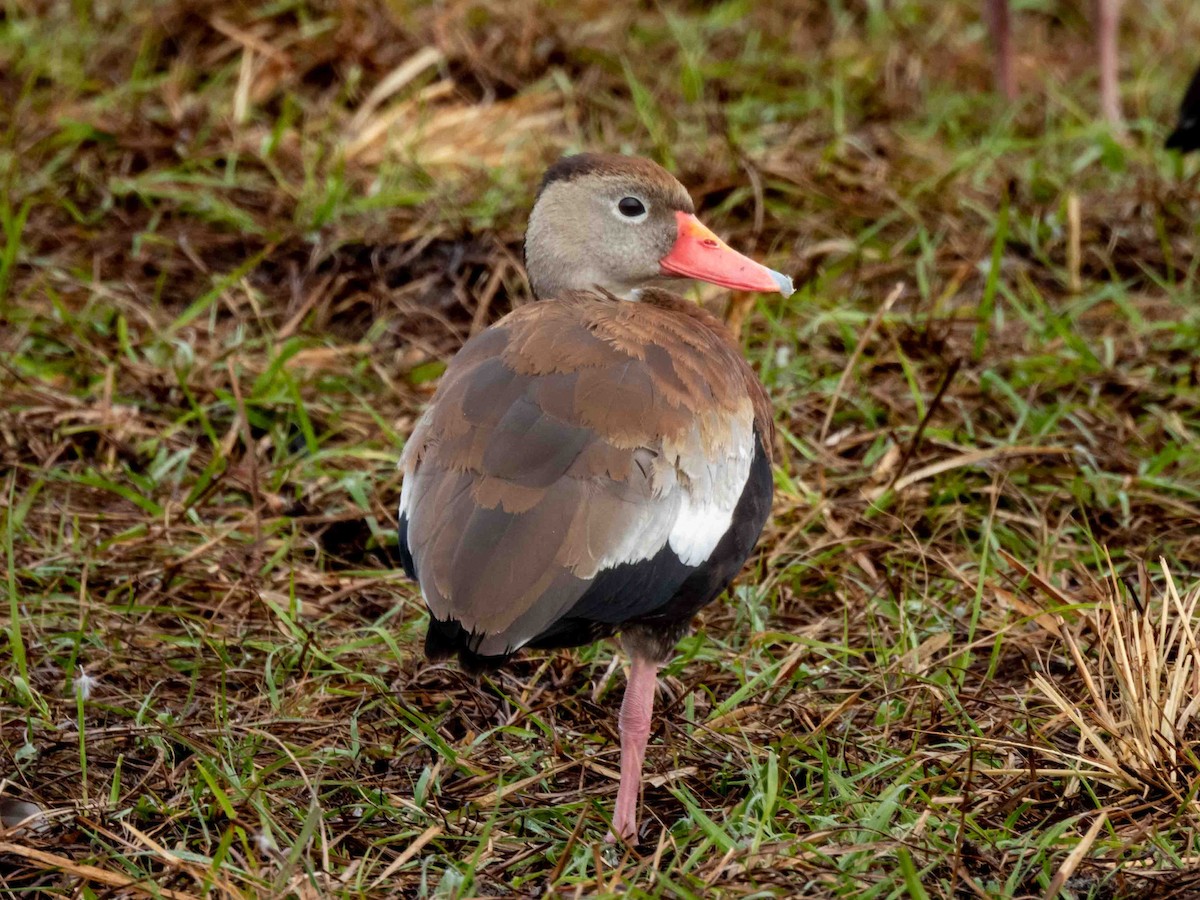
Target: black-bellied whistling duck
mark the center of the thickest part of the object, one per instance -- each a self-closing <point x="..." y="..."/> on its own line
<point x="599" y="461"/>
<point x="1186" y="136"/>
<point x="1107" y="13"/>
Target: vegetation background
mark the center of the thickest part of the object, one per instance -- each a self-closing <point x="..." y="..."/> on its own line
<point x="241" y="239"/>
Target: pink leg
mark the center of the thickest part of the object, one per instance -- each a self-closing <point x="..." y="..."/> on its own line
<point x="1107" y="20"/>
<point x="634" y="722"/>
<point x="1000" y="25"/>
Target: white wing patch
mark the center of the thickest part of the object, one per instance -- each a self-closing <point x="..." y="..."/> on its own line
<point x="692" y="498"/>
<point x="408" y="462"/>
<point x="406" y="492"/>
<point x="644" y="535"/>
<point x="708" y="502"/>
<point x="698" y="529"/>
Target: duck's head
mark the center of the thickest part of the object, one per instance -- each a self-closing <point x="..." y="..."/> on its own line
<point x="621" y="224"/>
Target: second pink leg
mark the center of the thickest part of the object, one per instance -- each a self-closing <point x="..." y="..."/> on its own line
<point x="1108" y="15"/>
<point x="999" y="24"/>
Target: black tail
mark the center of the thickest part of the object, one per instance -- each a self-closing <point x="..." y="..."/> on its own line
<point x="446" y="639"/>
<point x="1186" y="136"/>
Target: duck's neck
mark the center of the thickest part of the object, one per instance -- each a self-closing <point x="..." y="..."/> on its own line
<point x="552" y="275"/>
<point x="546" y="286"/>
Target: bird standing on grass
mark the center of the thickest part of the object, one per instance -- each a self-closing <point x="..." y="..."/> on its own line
<point x="1186" y="136"/>
<point x="1107" y="13"/>
<point x="599" y="461"/>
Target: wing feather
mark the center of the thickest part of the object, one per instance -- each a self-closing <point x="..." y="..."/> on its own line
<point x="576" y="444"/>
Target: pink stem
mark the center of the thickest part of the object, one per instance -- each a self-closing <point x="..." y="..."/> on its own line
<point x="1000" y="25"/>
<point x="1107" y="19"/>
<point x="636" y="712"/>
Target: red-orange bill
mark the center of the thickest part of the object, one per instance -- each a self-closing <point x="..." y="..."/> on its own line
<point x="700" y="254"/>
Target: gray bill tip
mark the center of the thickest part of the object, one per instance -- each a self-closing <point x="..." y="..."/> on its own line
<point x="784" y="283"/>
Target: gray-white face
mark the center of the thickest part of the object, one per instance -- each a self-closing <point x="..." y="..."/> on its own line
<point x="621" y="224"/>
<point x="604" y="230"/>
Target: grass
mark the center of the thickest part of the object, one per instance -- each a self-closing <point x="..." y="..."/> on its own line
<point x="240" y="242"/>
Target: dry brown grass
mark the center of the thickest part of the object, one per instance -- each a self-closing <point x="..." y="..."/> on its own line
<point x="1143" y="688"/>
<point x="241" y="240"/>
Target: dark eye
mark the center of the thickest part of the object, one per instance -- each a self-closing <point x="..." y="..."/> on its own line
<point x="631" y="207"/>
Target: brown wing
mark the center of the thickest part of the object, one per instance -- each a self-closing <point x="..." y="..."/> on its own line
<point x="572" y="437"/>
